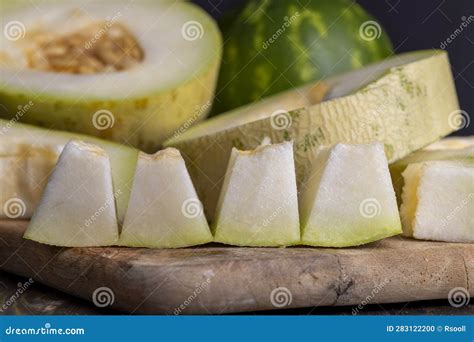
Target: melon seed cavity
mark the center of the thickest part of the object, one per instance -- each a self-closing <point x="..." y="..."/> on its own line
<point x="97" y="47"/>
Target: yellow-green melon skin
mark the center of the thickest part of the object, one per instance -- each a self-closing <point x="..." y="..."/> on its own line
<point x="142" y="122"/>
<point x="406" y="108"/>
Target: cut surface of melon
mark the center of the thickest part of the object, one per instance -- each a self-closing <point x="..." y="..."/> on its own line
<point x="150" y="66"/>
<point x="258" y="203"/>
<point x="77" y="208"/>
<point x="28" y="155"/>
<point x="400" y="102"/>
<point x="164" y="210"/>
<point x="348" y="198"/>
<point x="438" y="201"/>
<point x="455" y="150"/>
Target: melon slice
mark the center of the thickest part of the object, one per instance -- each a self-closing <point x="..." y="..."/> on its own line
<point x="459" y="150"/>
<point x="438" y="201"/>
<point x="77" y="208"/>
<point x="258" y="204"/>
<point x="28" y="155"/>
<point x="133" y="72"/>
<point x="451" y="143"/>
<point x="348" y="198"/>
<point x="164" y="210"/>
<point x="400" y="102"/>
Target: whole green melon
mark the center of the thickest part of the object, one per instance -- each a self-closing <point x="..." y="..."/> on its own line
<point x="275" y="45"/>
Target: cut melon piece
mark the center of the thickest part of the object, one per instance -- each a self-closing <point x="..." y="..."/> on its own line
<point x="164" y="210"/>
<point x="451" y="143"/>
<point x="133" y="72"/>
<point x="258" y="205"/>
<point x="400" y="102"/>
<point x="77" y="208"/>
<point x="438" y="201"/>
<point x="445" y="151"/>
<point x="348" y="198"/>
<point x="28" y="155"/>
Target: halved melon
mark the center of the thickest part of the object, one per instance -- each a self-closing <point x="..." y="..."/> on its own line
<point x="133" y="72"/>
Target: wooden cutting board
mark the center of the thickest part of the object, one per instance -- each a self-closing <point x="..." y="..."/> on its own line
<point x="218" y="279"/>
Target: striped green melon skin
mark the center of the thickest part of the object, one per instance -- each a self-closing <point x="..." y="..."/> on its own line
<point x="314" y="39"/>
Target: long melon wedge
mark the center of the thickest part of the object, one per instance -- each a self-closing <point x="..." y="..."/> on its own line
<point x="404" y="102"/>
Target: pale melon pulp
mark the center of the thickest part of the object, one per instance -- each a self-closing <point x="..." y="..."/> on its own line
<point x="258" y="202"/>
<point x="164" y="210"/>
<point x="348" y="198"/>
<point x="77" y="208"/>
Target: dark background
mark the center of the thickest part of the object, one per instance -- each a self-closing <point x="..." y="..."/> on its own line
<point x="415" y="25"/>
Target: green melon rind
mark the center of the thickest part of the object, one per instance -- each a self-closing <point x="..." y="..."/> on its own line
<point x="143" y="121"/>
<point x="381" y="230"/>
<point x="406" y="108"/>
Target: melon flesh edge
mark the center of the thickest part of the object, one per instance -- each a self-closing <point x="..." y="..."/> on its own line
<point x="164" y="210"/>
<point x="258" y="204"/>
<point x="77" y="208"/>
<point x="438" y="201"/>
<point x="406" y="107"/>
<point x="348" y="197"/>
<point x="455" y="151"/>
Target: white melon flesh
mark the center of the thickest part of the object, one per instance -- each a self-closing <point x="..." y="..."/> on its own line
<point x="28" y="155"/>
<point x="438" y="201"/>
<point x="455" y="149"/>
<point x="164" y="210"/>
<point x="348" y="198"/>
<point x="77" y="208"/>
<point x="258" y="202"/>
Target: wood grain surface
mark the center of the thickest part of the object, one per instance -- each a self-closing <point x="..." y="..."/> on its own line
<point x="219" y="279"/>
